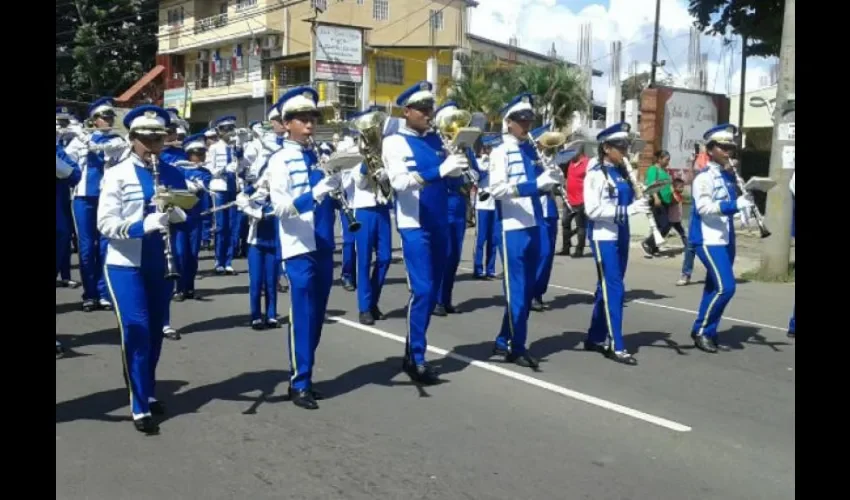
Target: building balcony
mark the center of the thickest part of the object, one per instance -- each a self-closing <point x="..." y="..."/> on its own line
<point x="230" y="85"/>
<point x="204" y="29"/>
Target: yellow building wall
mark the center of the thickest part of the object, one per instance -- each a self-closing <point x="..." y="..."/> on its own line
<point x="414" y="71"/>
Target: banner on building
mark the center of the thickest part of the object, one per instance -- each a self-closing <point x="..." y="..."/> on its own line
<point x="339" y="72"/>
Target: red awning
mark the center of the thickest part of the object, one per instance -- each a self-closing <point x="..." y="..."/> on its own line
<point x="141" y="84"/>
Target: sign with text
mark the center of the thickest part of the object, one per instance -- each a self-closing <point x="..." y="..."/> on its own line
<point x="687" y="117"/>
<point x="337" y="44"/>
<point x="339" y="72"/>
<point x="179" y="98"/>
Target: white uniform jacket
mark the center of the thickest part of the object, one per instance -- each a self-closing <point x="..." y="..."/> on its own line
<point x="515" y="192"/>
<point x="484" y="185"/>
<point x="124" y="201"/>
<point x="601" y="201"/>
<point x="217" y="163"/>
<point x="715" y="203"/>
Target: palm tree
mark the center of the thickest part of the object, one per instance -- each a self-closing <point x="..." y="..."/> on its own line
<point x="559" y="91"/>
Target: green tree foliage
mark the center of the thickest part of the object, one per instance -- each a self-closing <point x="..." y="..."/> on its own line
<point x="103" y="46"/>
<point x="487" y="85"/>
<point x="758" y="20"/>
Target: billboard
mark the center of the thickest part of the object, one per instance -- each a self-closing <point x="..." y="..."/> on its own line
<point x="338" y="52"/>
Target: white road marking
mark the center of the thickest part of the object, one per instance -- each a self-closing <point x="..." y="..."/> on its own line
<point x="542" y="384"/>
<point x="662" y="306"/>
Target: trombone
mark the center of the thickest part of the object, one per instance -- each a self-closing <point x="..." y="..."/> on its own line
<point x="457" y="135"/>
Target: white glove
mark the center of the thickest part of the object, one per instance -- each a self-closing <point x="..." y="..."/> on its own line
<point x="254" y="212"/>
<point x="285" y="211"/>
<point x="744" y="203"/>
<point x="640" y="206"/>
<point x="155" y="222"/>
<point x="63" y="170"/>
<point x="176" y="215"/>
<point x="194" y="186"/>
<point x="325" y="186"/>
<point x="546" y="181"/>
<point x="232" y="167"/>
<point x="454" y="166"/>
<point x="242" y="201"/>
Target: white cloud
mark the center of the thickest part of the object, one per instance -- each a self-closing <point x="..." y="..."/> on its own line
<point x="539" y="23"/>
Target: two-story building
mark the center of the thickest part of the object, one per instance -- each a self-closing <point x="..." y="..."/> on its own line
<point x="237" y="56"/>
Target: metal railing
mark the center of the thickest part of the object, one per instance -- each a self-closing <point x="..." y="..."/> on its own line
<point x="210" y="23"/>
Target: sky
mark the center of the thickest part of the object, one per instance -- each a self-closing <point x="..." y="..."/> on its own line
<point x="538" y="24"/>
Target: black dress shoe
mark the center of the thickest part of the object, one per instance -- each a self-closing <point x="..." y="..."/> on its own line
<point x="499" y="350"/>
<point x="303" y="399"/>
<point x="440" y="310"/>
<point x="450" y="309"/>
<point x="258" y="324"/>
<point x="272" y="323"/>
<point x="318" y="396"/>
<point x="525" y="360"/>
<point x="377" y="315"/>
<point x="146" y="425"/>
<point x="536" y="305"/>
<point x="594" y="347"/>
<point x="367" y="319"/>
<point x="157" y="408"/>
<point x="707" y="344"/>
<point x="621" y="357"/>
<point x="89" y="305"/>
<point x="423" y="374"/>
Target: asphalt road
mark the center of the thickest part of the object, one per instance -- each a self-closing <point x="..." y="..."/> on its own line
<point x="681" y="425"/>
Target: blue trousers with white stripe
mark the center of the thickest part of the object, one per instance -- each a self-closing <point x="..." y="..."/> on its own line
<point x="488" y="239"/>
<point x="792" y="325"/>
<point x="719" y="287"/>
<point x="92" y="248"/>
<point x="548" y="234"/>
<point x="186" y="238"/>
<point x="520" y="251"/>
<point x="263" y="273"/>
<point x="349" y="252"/>
<point x="141" y="299"/>
<point x="606" y="323"/>
<point x="454" y="247"/>
<point x="310" y="279"/>
<point x="227" y="229"/>
<point x="424" y="258"/>
<point x="374" y="238"/>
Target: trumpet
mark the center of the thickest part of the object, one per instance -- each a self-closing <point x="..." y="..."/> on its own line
<point x="547" y="145"/>
<point x="754" y="211"/>
<point x="370" y="127"/>
<point x="457" y="135"/>
<point x="338" y="194"/>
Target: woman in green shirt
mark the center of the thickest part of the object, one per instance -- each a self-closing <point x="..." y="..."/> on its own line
<point x="660" y="201"/>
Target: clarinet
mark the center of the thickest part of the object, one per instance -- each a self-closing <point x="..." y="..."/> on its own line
<point x="171" y="272"/>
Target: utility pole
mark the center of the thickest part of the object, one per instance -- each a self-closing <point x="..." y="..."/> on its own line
<point x="655" y="43"/>
<point x="743" y="93"/>
<point x="776" y="251"/>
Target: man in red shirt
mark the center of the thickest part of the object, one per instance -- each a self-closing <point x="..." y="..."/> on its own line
<point x="575" y="172"/>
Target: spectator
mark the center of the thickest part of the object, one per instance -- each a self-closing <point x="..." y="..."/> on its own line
<point x="661" y="200"/>
<point x="576" y="171"/>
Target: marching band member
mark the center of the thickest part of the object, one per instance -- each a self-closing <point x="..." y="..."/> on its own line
<point x="92" y="164"/>
<point x="487" y="230"/>
<point x="224" y="164"/>
<point x="516" y="184"/>
<point x="68" y="174"/>
<point x="458" y="196"/>
<point x="374" y="238"/>
<point x="713" y="233"/>
<point x="299" y="195"/>
<point x="210" y="138"/>
<point x="417" y="167"/>
<point x="263" y="254"/>
<point x="189" y="233"/>
<point x="609" y="199"/>
<point x="792" y="323"/>
<point x="64" y="186"/>
<point x="548" y="234"/>
<point x="135" y="263"/>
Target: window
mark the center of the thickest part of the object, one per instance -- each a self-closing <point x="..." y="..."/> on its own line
<point x="389" y="70"/>
<point x="437" y="20"/>
<point x="444" y="71"/>
<point x="319" y="4"/>
<point x="360" y="2"/>
<point x="175" y="17"/>
<point x="381" y="10"/>
<point x="242" y="5"/>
